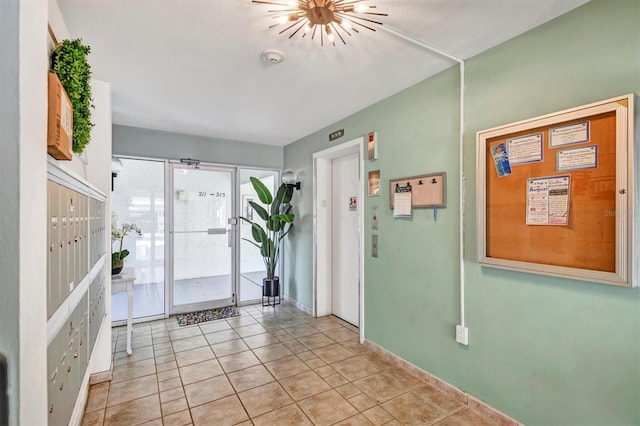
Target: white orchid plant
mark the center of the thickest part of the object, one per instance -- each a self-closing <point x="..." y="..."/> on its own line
<point x="118" y="234"/>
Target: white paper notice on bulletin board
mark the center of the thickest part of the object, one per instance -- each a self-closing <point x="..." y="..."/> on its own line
<point x="402" y="204"/>
<point x="548" y="200"/>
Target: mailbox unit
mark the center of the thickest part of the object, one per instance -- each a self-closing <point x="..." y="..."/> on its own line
<point x="76" y="280"/>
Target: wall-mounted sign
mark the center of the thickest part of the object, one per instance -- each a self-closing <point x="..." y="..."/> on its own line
<point x="577" y="158"/>
<point x="353" y="204"/>
<point x="374" y="183"/>
<point x="567" y="135"/>
<point x="335" y="135"/>
<point x="372" y="145"/>
<point x="525" y="149"/>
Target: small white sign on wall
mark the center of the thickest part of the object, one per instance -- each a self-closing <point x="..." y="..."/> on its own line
<point x="353" y="204"/>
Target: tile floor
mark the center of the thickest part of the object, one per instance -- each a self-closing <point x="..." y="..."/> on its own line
<point x="267" y="367"/>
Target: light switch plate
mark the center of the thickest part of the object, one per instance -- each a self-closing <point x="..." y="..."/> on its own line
<point x="374" y="245"/>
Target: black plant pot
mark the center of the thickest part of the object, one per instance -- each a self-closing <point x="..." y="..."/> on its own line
<point x="271" y="288"/>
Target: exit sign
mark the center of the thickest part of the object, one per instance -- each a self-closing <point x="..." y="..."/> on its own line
<point x="335" y="135"/>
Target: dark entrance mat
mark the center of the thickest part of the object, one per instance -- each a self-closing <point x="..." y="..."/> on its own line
<point x="206" y="315"/>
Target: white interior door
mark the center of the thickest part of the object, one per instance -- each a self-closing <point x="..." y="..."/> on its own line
<point x="203" y="262"/>
<point x="345" y="245"/>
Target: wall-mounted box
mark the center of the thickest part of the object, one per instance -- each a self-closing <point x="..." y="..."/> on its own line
<point x="60" y="121"/>
<point x="564" y="205"/>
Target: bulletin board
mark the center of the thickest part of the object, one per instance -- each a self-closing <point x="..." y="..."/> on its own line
<point x="426" y="190"/>
<point x="555" y="194"/>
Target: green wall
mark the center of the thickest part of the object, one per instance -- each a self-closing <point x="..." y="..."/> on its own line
<point x="542" y="350"/>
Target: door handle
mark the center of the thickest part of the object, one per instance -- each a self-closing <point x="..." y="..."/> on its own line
<point x="229" y="239"/>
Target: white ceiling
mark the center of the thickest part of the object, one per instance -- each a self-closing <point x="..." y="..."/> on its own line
<point x="194" y="66"/>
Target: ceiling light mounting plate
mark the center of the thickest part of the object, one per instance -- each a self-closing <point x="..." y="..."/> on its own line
<point x="320" y="15"/>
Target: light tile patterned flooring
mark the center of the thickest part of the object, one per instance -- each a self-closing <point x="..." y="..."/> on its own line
<point x="267" y="367"/>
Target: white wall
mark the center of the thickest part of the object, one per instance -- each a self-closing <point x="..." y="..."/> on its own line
<point x="24" y="135"/>
<point x="98" y="169"/>
<point x="80" y="163"/>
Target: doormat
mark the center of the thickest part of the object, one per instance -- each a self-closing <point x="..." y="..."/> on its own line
<point x="206" y="315"/>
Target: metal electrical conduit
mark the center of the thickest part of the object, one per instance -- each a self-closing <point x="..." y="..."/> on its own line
<point x="461" y="142"/>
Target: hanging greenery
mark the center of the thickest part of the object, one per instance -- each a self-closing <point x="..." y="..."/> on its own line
<point x="69" y="62"/>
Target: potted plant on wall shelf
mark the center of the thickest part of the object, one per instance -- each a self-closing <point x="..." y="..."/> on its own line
<point x="278" y="221"/>
<point x="69" y="63"/>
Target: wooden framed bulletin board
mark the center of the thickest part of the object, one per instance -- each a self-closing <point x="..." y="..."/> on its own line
<point x="555" y="194"/>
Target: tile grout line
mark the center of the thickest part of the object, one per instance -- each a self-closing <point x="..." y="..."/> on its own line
<point x="270" y="329"/>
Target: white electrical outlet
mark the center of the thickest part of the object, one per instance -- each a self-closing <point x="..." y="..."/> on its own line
<point x="462" y="334"/>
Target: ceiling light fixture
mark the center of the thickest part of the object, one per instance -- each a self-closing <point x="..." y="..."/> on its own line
<point x="322" y="18"/>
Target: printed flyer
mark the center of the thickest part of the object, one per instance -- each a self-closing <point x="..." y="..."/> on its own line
<point x="548" y="200"/>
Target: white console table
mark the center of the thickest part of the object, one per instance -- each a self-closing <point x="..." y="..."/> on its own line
<point x="124" y="282"/>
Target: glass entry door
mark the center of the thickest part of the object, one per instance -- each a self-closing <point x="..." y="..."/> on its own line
<point x="203" y="269"/>
<point x="252" y="269"/>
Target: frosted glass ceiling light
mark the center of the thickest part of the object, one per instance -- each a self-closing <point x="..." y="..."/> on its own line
<point x="338" y="17"/>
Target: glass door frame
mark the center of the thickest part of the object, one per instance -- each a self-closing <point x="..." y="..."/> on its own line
<point x="278" y="180"/>
<point x="165" y="164"/>
<point x="168" y="223"/>
<point x="171" y="308"/>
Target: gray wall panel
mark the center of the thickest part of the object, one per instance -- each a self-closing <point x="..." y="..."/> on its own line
<point x="139" y="142"/>
<point x="9" y="193"/>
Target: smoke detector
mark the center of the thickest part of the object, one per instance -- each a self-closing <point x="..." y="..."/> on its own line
<point x="272" y="56"/>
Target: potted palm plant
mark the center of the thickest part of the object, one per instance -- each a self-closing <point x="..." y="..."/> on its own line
<point x="278" y="221"/>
